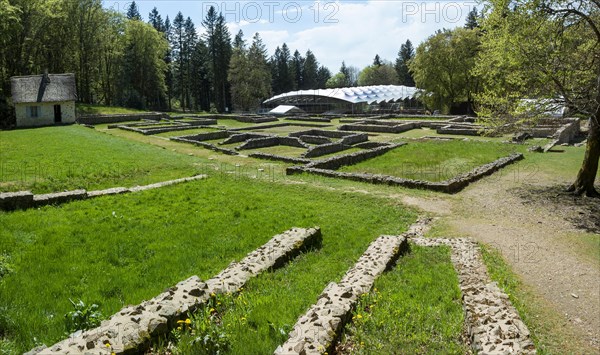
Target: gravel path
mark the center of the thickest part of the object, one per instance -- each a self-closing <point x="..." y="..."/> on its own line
<point x="531" y="236"/>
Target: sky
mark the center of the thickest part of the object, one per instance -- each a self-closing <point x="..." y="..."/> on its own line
<point x="335" y="31"/>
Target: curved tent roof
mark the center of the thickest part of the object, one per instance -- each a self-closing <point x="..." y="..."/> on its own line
<point x="354" y="95"/>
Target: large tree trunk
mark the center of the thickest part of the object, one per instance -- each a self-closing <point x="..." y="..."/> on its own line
<point x="584" y="184"/>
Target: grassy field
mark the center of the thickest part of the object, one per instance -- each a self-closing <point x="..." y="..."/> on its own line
<point x="120" y="250"/>
<point x="432" y="160"/>
<point x="87" y="109"/>
<point x="402" y="309"/>
<point x="64" y="158"/>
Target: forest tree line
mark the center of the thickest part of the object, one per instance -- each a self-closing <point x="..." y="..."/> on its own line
<point x="161" y="63"/>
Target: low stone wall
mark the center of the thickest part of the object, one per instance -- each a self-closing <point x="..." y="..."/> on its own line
<point x="101" y="119"/>
<point x="255" y="119"/>
<point x="242" y="137"/>
<point x="209" y="136"/>
<point x="270" y="142"/>
<point x="316" y="331"/>
<point x="355" y="138"/>
<point x="309" y="119"/>
<point x="567" y="132"/>
<point x="276" y="125"/>
<point x="492" y="324"/>
<point x="10" y="201"/>
<point x="325" y="149"/>
<point x="351" y="159"/>
<point x="454" y="185"/>
<point x="132" y="329"/>
<point x="281" y="158"/>
<point x="315" y="139"/>
<point x="381" y="128"/>
<point x="458" y="130"/>
<point x="205" y="145"/>
<point x="21" y="200"/>
<point x="320" y="133"/>
<point x="370" y="145"/>
<point x="59" y="198"/>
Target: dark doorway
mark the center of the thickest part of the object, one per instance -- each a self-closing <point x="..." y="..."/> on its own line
<point x="57" y="114"/>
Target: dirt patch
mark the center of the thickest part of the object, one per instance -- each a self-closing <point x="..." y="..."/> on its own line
<point x="583" y="213"/>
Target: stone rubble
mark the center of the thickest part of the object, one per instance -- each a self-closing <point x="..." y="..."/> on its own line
<point x="132" y="329"/>
<point x="493" y="325"/>
<point x="316" y="331"/>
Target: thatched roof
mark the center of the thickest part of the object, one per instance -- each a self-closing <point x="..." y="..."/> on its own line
<point x="39" y="88"/>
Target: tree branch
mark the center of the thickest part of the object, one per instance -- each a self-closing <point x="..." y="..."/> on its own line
<point x="580" y="14"/>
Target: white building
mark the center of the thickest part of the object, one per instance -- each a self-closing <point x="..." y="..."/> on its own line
<point x="44" y="100"/>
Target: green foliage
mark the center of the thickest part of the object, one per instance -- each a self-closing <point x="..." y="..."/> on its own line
<point x="382" y="74"/>
<point x="143" y="72"/>
<point x="83" y="317"/>
<point x="526" y="52"/>
<point x="405" y="55"/>
<point x="339" y="80"/>
<point x="249" y="75"/>
<point x="442" y="68"/>
<point x="5" y="266"/>
<point x="415" y="307"/>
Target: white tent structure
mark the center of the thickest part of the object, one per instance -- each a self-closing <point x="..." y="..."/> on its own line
<point x="350" y="98"/>
<point x="285" y="110"/>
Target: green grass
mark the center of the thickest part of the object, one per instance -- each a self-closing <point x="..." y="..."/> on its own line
<point x="120" y="250"/>
<point x="433" y="160"/>
<point x="284" y="130"/>
<point x="64" y="158"/>
<point x="230" y="123"/>
<point x="186" y="132"/>
<point x="282" y="150"/>
<point x="343" y="152"/>
<point x="416" y="308"/>
<point x="87" y="109"/>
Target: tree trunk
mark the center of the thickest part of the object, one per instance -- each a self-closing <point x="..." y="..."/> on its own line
<point x="584" y="184"/>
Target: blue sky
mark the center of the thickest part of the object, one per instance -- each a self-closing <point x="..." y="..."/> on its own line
<point x="353" y="31"/>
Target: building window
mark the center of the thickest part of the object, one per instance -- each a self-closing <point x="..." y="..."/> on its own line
<point x="33" y="111"/>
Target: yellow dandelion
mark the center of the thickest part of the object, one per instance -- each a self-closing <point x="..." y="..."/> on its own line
<point x="212" y="310"/>
<point x="212" y="294"/>
<point x="359" y="316"/>
<point x="108" y="345"/>
<point x="188" y="321"/>
<point x="180" y="321"/>
<point x="179" y="328"/>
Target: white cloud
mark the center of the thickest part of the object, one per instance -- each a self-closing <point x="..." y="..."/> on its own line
<point x="356" y="31"/>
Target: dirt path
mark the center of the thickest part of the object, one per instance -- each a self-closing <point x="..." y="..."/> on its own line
<point x="530" y="232"/>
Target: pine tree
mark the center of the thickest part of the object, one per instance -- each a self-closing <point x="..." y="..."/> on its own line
<point x="189" y="45"/>
<point x="218" y="41"/>
<point x="405" y="55"/>
<point x="310" y="72"/>
<point x="280" y="64"/>
<point x="156" y="21"/>
<point x="472" y="19"/>
<point x="178" y="40"/>
<point x="297" y="70"/>
<point x="201" y="84"/>
<point x="133" y="13"/>
<point x="323" y="75"/>
<point x="377" y="61"/>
